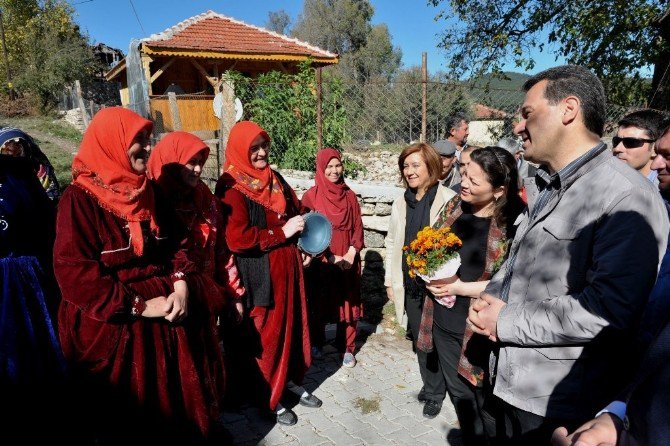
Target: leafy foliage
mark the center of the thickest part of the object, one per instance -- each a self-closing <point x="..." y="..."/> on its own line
<point x="278" y="21"/>
<point x="46" y="49"/>
<point x="620" y="40"/>
<point x="344" y="27"/>
<point x="285" y="106"/>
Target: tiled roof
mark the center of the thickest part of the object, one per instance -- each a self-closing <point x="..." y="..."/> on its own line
<point x="215" y="32"/>
<point x="485" y="112"/>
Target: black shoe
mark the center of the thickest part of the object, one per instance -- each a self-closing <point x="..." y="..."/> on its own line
<point x="421" y="396"/>
<point x="431" y="409"/>
<point x="310" y="401"/>
<point x="287" y="418"/>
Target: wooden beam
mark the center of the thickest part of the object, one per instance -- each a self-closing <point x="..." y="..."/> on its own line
<point x="146" y="61"/>
<point x="213" y="81"/>
<point x="162" y="69"/>
<point x="282" y="67"/>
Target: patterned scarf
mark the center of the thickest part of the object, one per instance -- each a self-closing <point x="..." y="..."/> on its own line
<point x="259" y="185"/>
<point x="496" y="248"/>
<point x="103" y="169"/>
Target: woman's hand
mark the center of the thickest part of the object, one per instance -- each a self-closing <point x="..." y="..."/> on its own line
<point x="348" y="259"/>
<point x="178" y="302"/>
<point x="444" y="287"/>
<point x="389" y="293"/>
<point x="293" y="226"/>
<point x="156" y="307"/>
<point x="306" y="259"/>
<point x="239" y="311"/>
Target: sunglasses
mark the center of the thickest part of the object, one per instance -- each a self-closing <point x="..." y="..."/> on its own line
<point x="630" y="143"/>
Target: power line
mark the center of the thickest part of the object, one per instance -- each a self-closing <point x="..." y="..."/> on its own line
<point x="137" y="17"/>
<point x="79" y="3"/>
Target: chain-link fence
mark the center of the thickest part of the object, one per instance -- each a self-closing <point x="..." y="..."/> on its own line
<point x="353" y="116"/>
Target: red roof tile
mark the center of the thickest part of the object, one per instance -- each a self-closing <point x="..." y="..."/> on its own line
<point x="484" y="112"/>
<point x="211" y="31"/>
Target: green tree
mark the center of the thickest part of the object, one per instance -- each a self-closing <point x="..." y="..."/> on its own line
<point x="344" y="27"/>
<point x="46" y="49"/>
<point x="620" y="40"/>
<point x="278" y="21"/>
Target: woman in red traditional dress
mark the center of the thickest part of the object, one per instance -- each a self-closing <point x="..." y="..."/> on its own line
<point x="143" y="372"/>
<point x="176" y="165"/>
<point x="263" y="219"/>
<point x="335" y="281"/>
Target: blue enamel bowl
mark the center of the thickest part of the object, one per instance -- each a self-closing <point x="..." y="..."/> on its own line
<point x="316" y="235"/>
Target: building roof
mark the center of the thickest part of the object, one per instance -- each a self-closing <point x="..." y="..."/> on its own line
<point x="216" y="34"/>
<point x="485" y="112"/>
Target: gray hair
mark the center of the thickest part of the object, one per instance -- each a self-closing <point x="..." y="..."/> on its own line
<point x="512" y="145"/>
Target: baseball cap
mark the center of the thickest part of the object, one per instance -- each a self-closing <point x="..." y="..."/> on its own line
<point x="445" y="147"/>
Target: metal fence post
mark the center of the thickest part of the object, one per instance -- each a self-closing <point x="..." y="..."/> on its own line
<point x="424" y="94"/>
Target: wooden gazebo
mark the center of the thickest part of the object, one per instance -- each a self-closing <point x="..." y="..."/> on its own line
<point x="190" y="57"/>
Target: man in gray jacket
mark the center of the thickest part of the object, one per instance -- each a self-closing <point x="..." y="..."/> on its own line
<point x="565" y="306"/>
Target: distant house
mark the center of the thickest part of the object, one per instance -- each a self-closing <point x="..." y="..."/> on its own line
<point x="109" y="56"/>
<point x="190" y="57"/>
<point x="483" y="112"/>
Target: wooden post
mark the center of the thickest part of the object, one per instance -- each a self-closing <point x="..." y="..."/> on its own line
<point x="174" y="111"/>
<point x="146" y="66"/>
<point x="424" y="94"/>
<point x="319" y="116"/>
<point x="80" y="103"/>
<point x="227" y="116"/>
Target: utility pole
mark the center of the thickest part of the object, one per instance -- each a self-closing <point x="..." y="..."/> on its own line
<point x="4" y="52"/>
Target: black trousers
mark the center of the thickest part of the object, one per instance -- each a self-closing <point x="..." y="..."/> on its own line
<point x="434" y="387"/>
<point x="467" y="399"/>
<point x="512" y="426"/>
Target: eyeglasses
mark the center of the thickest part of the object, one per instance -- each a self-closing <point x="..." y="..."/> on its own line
<point x="265" y="145"/>
<point x="448" y="156"/>
<point x="630" y="143"/>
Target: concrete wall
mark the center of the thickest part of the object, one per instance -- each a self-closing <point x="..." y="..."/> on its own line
<point x="480" y="132"/>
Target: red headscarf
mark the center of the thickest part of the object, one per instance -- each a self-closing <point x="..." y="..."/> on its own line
<point x="103" y="168"/>
<point x="259" y="185"/>
<point x="331" y="198"/>
<point x="174" y="148"/>
<point x="177" y="148"/>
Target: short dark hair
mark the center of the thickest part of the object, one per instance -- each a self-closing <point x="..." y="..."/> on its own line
<point x="430" y="157"/>
<point x="664" y="127"/>
<point x="454" y="121"/>
<point x="647" y="119"/>
<point x="573" y="80"/>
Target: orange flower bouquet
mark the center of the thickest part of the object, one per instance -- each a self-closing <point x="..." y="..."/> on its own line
<point x="433" y="255"/>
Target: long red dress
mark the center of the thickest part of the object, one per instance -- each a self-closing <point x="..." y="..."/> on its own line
<point x="339" y="291"/>
<point x="283" y="347"/>
<point x="135" y="372"/>
<point x="138" y="380"/>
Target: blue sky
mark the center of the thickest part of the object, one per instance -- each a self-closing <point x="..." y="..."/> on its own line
<point x="411" y="22"/>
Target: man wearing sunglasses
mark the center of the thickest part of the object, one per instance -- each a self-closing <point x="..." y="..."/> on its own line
<point x="634" y="141"/>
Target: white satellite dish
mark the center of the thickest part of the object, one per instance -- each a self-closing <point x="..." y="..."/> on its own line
<point x="218" y="103"/>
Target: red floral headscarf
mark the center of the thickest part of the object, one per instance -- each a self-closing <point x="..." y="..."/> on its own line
<point x="259" y="185"/>
<point x="102" y="167"/>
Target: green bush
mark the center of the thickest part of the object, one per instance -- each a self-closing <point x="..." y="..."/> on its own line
<point x="285" y="106"/>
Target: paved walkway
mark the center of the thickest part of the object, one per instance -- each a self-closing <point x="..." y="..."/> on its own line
<point x="372" y="404"/>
